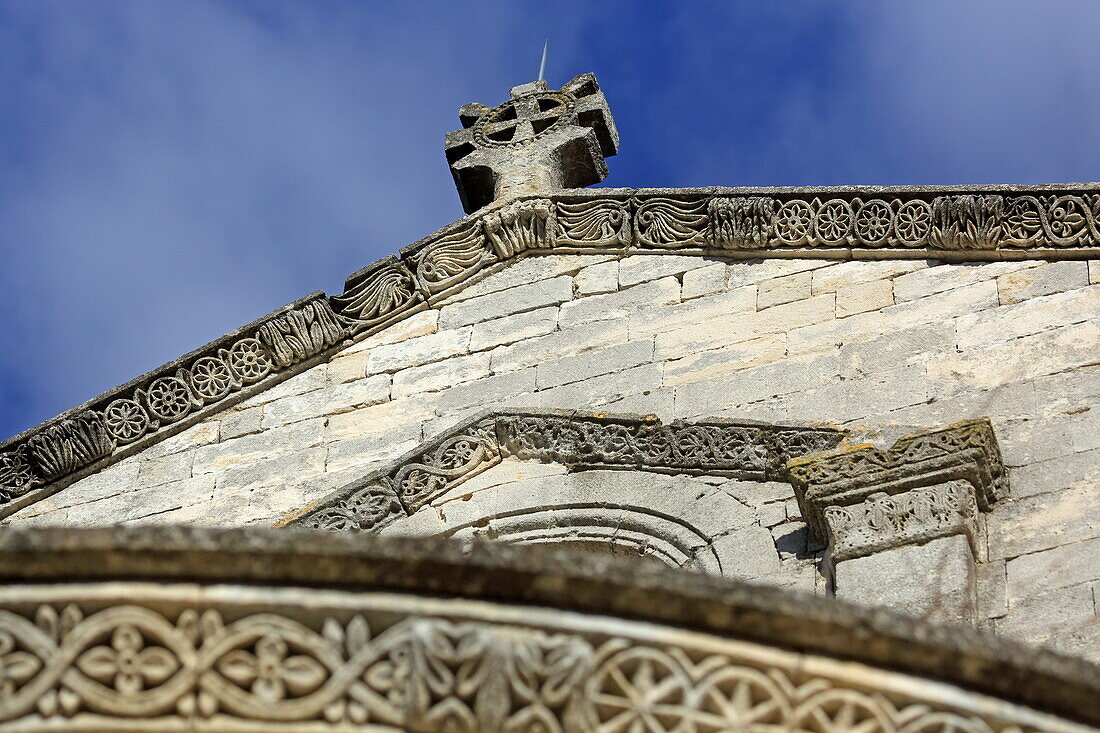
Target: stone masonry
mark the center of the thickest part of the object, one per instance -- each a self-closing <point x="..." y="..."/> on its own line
<point x="852" y="344"/>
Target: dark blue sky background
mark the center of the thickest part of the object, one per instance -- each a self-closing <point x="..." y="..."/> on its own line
<point x="170" y="171"/>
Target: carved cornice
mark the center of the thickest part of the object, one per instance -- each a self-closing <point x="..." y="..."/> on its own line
<point x="427" y="636"/>
<point x="578" y="440"/>
<point x="929" y="484"/>
<point x="955" y="224"/>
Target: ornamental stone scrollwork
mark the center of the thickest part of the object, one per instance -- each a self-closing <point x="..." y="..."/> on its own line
<point x="376" y="294"/>
<point x="450" y="259"/>
<point x="599" y="223"/>
<point x="863" y="499"/>
<point x="711" y="447"/>
<point x="267" y="653"/>
<point x="957" y="224"/>
<point x="34" y="466"/>
<point x="666" y="223"/>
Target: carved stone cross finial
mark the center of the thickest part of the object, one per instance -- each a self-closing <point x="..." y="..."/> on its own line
<point x="539" y="140"/>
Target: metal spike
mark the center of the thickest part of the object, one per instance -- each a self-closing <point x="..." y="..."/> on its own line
<point x="542" y="65"/>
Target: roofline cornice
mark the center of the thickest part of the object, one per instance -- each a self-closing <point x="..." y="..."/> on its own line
<point x="952" y="224"/>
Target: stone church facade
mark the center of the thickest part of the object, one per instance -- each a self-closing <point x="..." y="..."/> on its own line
<point x="884" y="395"/>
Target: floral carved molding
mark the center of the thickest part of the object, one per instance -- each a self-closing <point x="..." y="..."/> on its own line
<point x="151" y="657"/>
<point x="578" y="440"/>
<point x="930" y="484"/>
<point x="972" y="224"/>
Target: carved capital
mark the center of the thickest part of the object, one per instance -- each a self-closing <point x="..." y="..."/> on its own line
<point x="864" y="499"/>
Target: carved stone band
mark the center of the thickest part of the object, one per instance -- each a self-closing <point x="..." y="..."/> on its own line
<point x="578" y="440"/>
<point x="863" y="499"/>
<point x="474" y="639"/>
<point x="956" y="224"/>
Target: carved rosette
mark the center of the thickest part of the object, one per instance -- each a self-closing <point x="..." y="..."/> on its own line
<point x="863" y="499"/>
<point x="138" y="656"/>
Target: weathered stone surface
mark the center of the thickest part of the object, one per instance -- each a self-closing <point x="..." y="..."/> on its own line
<point x="946" y="590"/>
<point x="597" y="279"/>
<point x="706" y="365"/>
<point x="271" y="442"/>
<point x="594" y="363"/>
<point x="1028" y="317"/>
<point x="441" y="374"/>
<point x="868" y="296"/>
<point x="1071" y="563"/>
<point x="1076" y="470"/>
<point x="845" y="274"/>
<point x="241" y="422"/>
<point x="991" y="589"/>
<point x="1044" y="521"/>
<point x="1044" y="279"/>
<point x="558" y="344"/>
<point x="1041" y="617"/>
<point x="702" y="311"/>
<point x="783" y="290"/>
<point x="420" y="350"/>
<point x="516" y="300"/>
<point x="704" y="281"/>
<point x="510" y="329"/>
<point x="643" y="268"/>
<point x="321" y="402"/>
<point x="620" y="304"/>
<point x="947" y="277"/>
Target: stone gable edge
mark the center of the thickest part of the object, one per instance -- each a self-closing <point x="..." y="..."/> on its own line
<point x="950" y="224"/>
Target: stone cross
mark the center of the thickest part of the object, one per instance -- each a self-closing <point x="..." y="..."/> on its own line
<point x="539" y="140"/>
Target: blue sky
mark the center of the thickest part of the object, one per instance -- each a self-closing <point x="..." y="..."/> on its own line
<point x="172" y="170"/>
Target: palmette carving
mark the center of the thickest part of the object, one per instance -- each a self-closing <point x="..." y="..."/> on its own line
<point x="742" y="222"/>
<point x="594" y="224"/>
<point x="378" y="295"/>
<point x="665" y="223"/>
<point x="174" y="665"/>
<point x="450" y="259"/>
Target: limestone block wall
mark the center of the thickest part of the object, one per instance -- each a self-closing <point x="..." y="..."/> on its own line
<point x="861" y="343"/>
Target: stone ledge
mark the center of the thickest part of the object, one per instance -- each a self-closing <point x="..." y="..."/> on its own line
<point x="960" y="224"/>
<point x="231" y="574"/>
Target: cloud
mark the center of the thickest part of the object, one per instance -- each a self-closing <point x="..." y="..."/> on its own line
<point x="172" y="171"/>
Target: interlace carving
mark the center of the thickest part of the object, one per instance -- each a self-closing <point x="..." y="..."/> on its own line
<point x="171" y="664"/>
<point x="920" y="478"/>
<point x="578" y="441"/>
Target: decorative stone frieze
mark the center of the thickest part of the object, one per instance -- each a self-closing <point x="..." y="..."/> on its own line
<point x="959" y="224"/>
<point x="863" y="499"/>
<point x="37" y="463"/>
<point x="427" y="636"/>
<point x="577" y="440"/>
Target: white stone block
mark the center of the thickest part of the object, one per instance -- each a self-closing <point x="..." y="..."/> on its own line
<point x="645" y="267"/>
<point x="531" y="352"/>
<point x="510" y="329"/>
<point x="330" y="401"/>
<point x="1044" y="279"/>
<point x="942" y="277"/>
<point x="782" y="290"/>
<point x="596" y="279"/>
<point x="869" y="296"/>
<point x="594" y="363"/>
<point x="704" y="281"/>
<point x="620" y="304"/>
<point x="514" y="300"/>
<point x="441" y="374"/>
<point x="855" y="272"/>
<point x="420" y="350"/>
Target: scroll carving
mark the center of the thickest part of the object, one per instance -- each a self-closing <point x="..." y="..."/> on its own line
<point x="608" y="441"/>
<point x="594" y="224"/>
<point x="450" y="259"/>
<point x="377" y="295"/>
<point x="669" y="223"/>
<point x="167" y="662"/>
